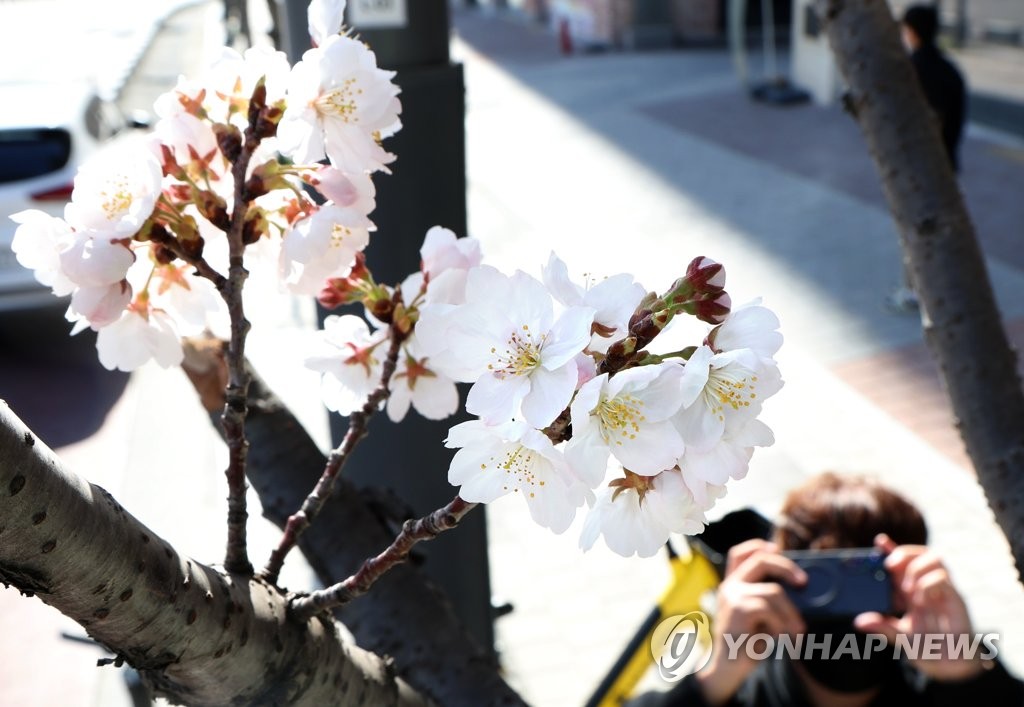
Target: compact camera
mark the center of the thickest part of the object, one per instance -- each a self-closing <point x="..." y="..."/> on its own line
<point x="841" y="583"/>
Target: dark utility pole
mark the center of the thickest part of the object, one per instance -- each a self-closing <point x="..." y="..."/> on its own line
<point x="427" y="187"/>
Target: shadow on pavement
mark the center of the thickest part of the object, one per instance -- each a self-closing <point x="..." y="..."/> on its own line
<point x="52" y="381"/>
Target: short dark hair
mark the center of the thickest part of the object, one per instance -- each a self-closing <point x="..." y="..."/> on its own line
<point x="836" y="511"/>
<point x="924" y="20"/>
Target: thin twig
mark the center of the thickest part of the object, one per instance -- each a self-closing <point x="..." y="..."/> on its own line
<point x="236" y="559"/>
<point x="357" y="430"/>
<point x="203" y="268"/>
<point x="413" y="531"/>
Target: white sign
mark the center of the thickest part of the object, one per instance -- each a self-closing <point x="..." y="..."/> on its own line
<point x="373" y="14"/>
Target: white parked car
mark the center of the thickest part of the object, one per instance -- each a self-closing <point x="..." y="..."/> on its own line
<point x="46" y="131"/>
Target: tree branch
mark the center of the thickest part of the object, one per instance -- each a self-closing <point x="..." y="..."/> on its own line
<point x="237" y="392"/>
<point x="413" y="531"/>
<point x="197" y="635"/>
<point x="357" y="430"/>
<point x="405" y="616"/>
<point x="959" y="310"/>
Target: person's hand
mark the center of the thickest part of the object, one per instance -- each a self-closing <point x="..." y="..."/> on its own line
<point x="931" y="605"/>
<point x="750" y="600"/>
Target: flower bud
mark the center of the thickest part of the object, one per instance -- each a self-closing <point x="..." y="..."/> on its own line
<point x="713" y="310"/>
<point x="214" y="209"/>
<point x="257" y="103"/>
<point x="359" y="271"/>
<point x="705" y="275"/>
<point x="229" y="140"/>
<point x="336" y="292"/>
<point x="193" y="247"/>
<point x="382" y="308"/>
<point x="254" y="227"/>
<point x="162" y="255"/>
<point x="266" y="124"/>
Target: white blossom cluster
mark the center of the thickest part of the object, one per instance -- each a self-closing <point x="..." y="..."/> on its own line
<point x="651" y="446"/>
<point x="109" y="250"/>
<point x="569" y="413"/>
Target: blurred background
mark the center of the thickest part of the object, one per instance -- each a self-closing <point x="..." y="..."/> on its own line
<point x="623" y="134"/>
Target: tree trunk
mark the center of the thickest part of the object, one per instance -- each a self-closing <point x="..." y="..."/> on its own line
<point x="196" y="635"/>
<point x="961" y="320"/>
<point x="404" y="615"/>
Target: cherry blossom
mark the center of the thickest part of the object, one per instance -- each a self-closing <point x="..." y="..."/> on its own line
<point x="140" y="334"/>
<point x="720" y="389"/>
<point x="115" y="191"/>
<point x="38" y="242"/>
<point x="494" y="461"/>
<point x="95" y="261"/>
<point x="636" y="514"/>
<point x="325" y="18"/>
<point x="322" y="246"/>
<point x="339" y="106"/>
<point x="347" y="355"/>
<point x="442" y="251"/>
<point x="613" y="300"/>
<point x="730" y="456"/>
<point x="750" y="326"/>
<point x="354" y="191"/>
<point x="433" y="394"/>
<point x="627" y="416"/>
<point x="100" y="306"/>
<point x="506" y="341"/>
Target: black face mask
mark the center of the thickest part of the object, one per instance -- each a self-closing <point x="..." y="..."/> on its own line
<point x="851" y="671"/>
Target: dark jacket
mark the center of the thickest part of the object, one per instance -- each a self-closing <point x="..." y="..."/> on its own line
<point x="944" y="88"/>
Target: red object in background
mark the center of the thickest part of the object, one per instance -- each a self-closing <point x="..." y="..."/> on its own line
<point x="564" y="37"/>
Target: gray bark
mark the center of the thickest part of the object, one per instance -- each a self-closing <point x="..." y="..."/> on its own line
<point x="961" y="320"/>
<point x="196" y="634"/>
<point x="404" y="615"/>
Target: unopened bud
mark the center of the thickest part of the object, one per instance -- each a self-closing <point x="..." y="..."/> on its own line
<point x="266" y="124"/>
<point x="402" y="319"/>
<point x="254" y="227"/>
<point x="713" y="310"/>
<point x="193" y="247"/>
<point x="257" y="103"/>
<point x="163" y="255"/>
<point x="336" y="292"/>
<point x="255" y="187"/>
<point x="705" y="275"/>
<point x="359" y="272"/>
<point x="382" y="308"/>
<point x="214" y="209"/>
<point x="229" y="140"/>
<point x="154" y="232"/>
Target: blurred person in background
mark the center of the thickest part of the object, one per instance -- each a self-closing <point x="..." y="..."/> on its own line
<point x="946" y="93"/>
<point x="832" y="511"/>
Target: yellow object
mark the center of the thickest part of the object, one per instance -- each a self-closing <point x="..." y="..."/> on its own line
<point x="692" y="577"/>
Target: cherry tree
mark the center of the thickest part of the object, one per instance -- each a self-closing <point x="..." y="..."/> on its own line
<point x="579" y="407"/>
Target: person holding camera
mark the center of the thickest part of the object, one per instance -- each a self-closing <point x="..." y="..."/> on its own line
<point x="830" y="512"/>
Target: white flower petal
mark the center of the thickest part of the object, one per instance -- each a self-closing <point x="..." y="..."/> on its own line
<point x="497" y="400"/>
<point x="549" y="394"/>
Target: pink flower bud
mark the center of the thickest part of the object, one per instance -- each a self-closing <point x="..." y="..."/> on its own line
<point x="705" y="275"/>
<point x="336" y="292"/>
<point x="714" y="310"/>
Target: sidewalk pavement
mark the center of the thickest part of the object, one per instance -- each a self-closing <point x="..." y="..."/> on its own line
<point x="638" y="162"/>
<point x="632" y="162"/>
